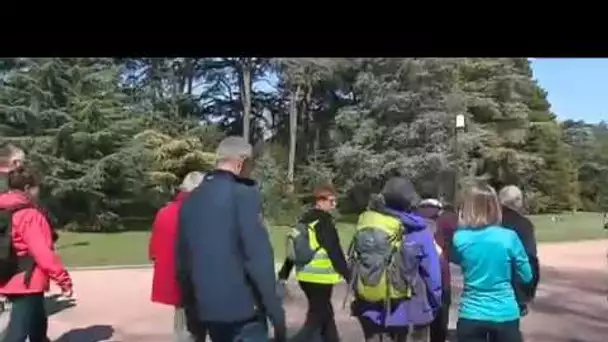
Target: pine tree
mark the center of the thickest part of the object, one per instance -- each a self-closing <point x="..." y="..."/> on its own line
<point x="70" y="115"/>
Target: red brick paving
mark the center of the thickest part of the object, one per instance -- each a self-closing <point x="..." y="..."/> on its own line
<point x="572" y="306"/>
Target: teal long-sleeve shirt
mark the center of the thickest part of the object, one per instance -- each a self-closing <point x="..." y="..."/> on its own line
<point x="485" y="256"/>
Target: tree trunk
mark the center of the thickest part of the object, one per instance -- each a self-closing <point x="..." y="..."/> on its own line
<point x="189" y="74"/>
<point x="293" y="134"/>
<point x="246" y="96"/>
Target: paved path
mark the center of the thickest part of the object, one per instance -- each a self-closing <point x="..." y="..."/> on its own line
<point x="113" y="305"/>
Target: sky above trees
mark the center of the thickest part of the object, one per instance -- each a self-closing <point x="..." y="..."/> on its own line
<point x="576" y="86"/>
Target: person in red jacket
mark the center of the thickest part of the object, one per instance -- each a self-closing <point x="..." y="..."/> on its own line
<point x="32" y="239"/>
<point x="165" y="289"/>
<point x="446" y="227"/>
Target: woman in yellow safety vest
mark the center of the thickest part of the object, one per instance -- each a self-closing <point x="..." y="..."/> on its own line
<point x="327" y="268"/>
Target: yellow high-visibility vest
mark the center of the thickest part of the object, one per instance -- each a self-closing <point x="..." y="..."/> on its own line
<point x="320" y="269"/>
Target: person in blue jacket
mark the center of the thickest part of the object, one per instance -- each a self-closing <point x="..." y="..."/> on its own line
<point x="224" y="260"/>
<point x="485" y="251"/>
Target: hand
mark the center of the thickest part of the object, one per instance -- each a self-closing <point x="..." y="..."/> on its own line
<point x="67" y="293"/>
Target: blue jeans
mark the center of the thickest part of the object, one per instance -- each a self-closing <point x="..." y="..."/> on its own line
<point x="28" y="319"/>
<point x="251" y="331"/>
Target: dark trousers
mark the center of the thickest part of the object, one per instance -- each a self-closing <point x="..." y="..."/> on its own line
<point x="375" y="333"/>
<point x="439" y="326"/>
<point x="197" y="329"/>
<point x="320" y="315"/>
<point x="254" y="330"/>
<point x="482" y="331"/>
<point x="28" y="319"/>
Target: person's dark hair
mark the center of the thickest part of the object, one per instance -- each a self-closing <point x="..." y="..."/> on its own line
<point x="23" y="177"/>
<point x="399" y="194"/>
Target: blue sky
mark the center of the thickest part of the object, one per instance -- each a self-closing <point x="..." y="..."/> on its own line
<point x="577" y="87"/>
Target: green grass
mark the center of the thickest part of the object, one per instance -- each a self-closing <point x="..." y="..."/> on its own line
<point x="131" y="248"/>
<point x="571" y="227"/>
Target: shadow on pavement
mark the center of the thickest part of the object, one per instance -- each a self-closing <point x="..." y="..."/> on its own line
<point x="55" y="304"/>
<point x="593" y="282"/>
<point x="94" y="333"/>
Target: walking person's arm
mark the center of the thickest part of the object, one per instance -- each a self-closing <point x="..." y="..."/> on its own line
<point x="531" y="250"/>
<point x="330" y="240"/>
<point x="520" y="259"/>
<point x="258" y="255"/>
<point x="431" y="266"/>
<point x="525" y="232"/>
<point x="37" y="237"/>
<point x="154" y="236"/>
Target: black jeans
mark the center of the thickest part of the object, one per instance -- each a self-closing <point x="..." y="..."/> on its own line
<point x="253" y="330"/>
<point x="482" y="331"/>
<point x="320" y="315"/>
<point x="439" y="326"/>
<point x="28" y="319"/>
<point x="375" y="333"/>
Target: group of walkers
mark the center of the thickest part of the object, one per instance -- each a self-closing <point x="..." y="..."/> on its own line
<point x="214" y="262"/>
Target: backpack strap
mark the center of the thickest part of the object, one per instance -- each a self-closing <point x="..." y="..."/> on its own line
<point x="26" y="262"/>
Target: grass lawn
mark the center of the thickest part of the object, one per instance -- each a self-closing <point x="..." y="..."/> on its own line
<point x="131" y="248"/>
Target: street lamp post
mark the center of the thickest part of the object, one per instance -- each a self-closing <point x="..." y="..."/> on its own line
<point x="460" y="125"/>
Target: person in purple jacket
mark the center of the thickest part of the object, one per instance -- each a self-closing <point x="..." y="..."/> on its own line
<point x="398" y="199"/>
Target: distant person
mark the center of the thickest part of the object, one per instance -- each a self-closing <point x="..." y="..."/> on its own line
<point x="444" y="220"/>
<point x="321" y="269"/>
<point x="10" y="158"/>
<point x="225" y="262"/>
<point x="25" y="279"/>
<point x="396" y="267"/>
<point x="489" y="310"/>
<point x="165" y="289"/>
<point x="512" y="201"/>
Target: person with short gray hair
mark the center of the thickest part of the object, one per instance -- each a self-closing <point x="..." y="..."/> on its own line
<point x="512" y="201"/>
<point x="165" y="289"/>
<point x="512" y="197"/>
<point x="191" y="181"/>
<point x="225" y="263"/>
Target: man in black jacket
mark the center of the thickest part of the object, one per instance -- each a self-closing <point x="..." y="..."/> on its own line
<point x="511" y="198"/>
<point x="225" y="262"/>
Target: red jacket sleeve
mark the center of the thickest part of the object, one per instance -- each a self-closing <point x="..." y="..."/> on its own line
<point x="155" y="238"/>
<point x="37" y="237"/>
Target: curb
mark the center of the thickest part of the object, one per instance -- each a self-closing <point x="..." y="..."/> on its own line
<point x="109" y="267"/>
<point x="277" y="265"/>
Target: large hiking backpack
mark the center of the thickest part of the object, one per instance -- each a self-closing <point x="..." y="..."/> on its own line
<point x="385" y="268"/>
<point x="10" y="263"/>
<point x="298" y="243"/>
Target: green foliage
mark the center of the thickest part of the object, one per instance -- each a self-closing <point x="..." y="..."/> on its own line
<point x="113" y="137"/>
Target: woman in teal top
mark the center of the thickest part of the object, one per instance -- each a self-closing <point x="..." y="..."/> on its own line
<point x="486" y="252"/>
